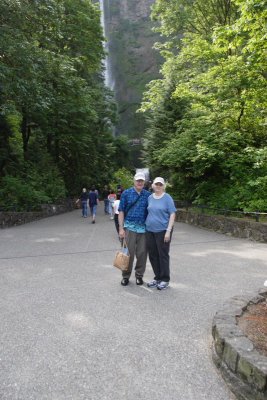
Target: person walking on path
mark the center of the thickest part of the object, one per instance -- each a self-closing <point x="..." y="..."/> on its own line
<point x="105" y="193"/>
<point x="84" y="201"/>
<point x="116" y="212"/>
<point x="132" y="216"/>
<point x="93" y="202"/>
<point x="111" y="198"/>
<point x="159" y="227"/>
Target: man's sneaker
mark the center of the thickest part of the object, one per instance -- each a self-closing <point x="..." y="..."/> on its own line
<point x="153" y="283"/>
<point x="162" y="285"/>
<point x="139" y="281"/>
<point x="124" y="281"/>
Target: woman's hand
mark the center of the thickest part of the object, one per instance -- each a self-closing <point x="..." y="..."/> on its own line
<point x="167" y="236"/>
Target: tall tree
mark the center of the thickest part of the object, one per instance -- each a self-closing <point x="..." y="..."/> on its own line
<point x="215" y="61"/>
<point x="53" y="100"/>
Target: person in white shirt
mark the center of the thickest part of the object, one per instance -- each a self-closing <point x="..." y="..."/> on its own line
<point x="111" y="198"/>
<point x="116" y="212"/>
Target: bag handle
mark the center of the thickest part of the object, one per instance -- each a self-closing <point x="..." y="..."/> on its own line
<point x="124" y="244"/>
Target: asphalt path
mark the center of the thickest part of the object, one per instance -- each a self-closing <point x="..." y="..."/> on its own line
<point x="69" y="330"/>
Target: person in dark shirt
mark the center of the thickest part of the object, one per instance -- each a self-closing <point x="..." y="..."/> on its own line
<point x="132" y="216"/>
<point x="93" y="202"/>
<point x="84" y="202"/>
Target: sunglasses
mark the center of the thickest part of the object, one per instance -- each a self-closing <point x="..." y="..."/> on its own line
<point x="158" y="184"/>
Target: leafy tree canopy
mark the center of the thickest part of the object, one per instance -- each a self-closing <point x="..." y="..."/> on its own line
<point x="55" y="112"/>
<point x="212" y="141"/>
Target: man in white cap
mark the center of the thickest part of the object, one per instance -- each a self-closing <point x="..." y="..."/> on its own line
<point x="132" y="216"/>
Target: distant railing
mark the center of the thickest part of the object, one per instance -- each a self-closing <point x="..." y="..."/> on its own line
<point x="221" y="211"/>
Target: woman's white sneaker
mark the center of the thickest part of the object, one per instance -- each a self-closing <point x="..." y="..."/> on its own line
<point x="153" y="283"/>
<point x="162" y="285"/>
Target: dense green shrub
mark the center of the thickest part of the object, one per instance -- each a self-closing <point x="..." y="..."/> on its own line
<point x="31" y="188"/>
<point x="122" y="177"/>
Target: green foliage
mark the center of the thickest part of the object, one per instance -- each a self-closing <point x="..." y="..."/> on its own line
<point x="122" y="153"/>
<point x="53" y="102"/>
<point x="16" y="195"/>
<point x="213" y="142"/>
<point x="32" y="187"/>
<point x="122" y="177"/>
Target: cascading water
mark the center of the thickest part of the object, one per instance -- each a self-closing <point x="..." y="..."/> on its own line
<point x="107" y="67"/>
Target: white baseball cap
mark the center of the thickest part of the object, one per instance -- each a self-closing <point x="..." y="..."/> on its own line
<point x="159" y="180"/>
<point x="139" y="176"/>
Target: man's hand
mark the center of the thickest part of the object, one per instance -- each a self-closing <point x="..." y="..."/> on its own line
<point x="121" y="233"/>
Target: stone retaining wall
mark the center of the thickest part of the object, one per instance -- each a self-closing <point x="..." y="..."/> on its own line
<point x="228" y="225"/>
<point x="8" y="219"/>
<point x="242" y="366"/>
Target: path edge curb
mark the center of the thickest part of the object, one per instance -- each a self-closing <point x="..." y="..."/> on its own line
<point x="243" y="368"/>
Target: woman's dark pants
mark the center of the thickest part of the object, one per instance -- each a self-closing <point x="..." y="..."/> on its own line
<point x="116" y="221"/>
<point x="158" y="252"/>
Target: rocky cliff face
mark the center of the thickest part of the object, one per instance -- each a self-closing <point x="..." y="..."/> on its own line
<point x="134" y="10"/>
<point x="133" y="62"/>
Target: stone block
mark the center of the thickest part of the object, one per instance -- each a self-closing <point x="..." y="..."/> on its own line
<point x="230" y="356"/>
<point x="263" y="292"/>
<point x="244" y="369"/>
<point x="8" y="219"/>
<point x="253" y="368"/>
<point x="218" y="342"/>
<point x="228" y="225"/>
<point x="257" y="299"/>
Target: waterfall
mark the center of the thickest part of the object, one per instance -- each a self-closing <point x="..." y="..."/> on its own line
<point x="107" y="67"/>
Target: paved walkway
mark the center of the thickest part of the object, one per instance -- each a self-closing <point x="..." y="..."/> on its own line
<point x="69" y="330"/>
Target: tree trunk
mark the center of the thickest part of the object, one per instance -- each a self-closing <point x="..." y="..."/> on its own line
<point x="49" y="143"/>
<point x="57" y="150"/>
<point x="4" y="145"/>
<point x="25" y="136"/>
